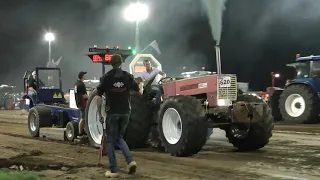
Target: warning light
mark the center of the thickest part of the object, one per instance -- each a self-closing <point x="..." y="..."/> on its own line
<point x="203" y="68"/>
<point x="129" y="47"/>
<point x="118" y="47"/>
<point x="107" y="47"/>
<point x="134" y="52"/>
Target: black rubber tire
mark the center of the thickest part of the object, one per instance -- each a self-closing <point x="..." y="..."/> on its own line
<point x="92" y="95"/>
<point x="9" y="104"/>
<point x="22" y="104"/>
<point x="311" y="100"/>
<point x="43" y="118"/>
<point x="259" y="133"/>
<point x="140" y="122"/>
<point x="74" y="127"/>
<point x="274" y="105"/>
<point x="194" y="127"/>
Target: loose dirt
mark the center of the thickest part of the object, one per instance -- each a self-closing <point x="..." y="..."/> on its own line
<point x="293" y="153"/>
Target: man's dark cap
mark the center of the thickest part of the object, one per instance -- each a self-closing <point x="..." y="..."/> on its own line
<point x="81" y="73"/>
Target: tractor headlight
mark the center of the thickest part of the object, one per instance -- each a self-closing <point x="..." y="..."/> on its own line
<point x="224" y="102"/>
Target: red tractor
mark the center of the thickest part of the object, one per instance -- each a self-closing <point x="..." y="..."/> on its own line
<point x="190" y="106"/>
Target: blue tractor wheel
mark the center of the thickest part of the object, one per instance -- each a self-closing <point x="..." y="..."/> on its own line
<point x="299" y="103"/>
<point x="72" y="130"/>
<point x="39" y="116"/>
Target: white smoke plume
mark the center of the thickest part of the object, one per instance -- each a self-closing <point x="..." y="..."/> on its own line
<point x="214" y="10"/>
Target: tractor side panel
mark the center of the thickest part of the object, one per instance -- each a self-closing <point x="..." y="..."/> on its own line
<point x="73" y="114"/>
<point x="193" y="86"/>
<point x="169" y="89"/>
<point x="50" y="95"/>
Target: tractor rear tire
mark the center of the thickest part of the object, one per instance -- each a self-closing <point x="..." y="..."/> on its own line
<point x="258" y="133"/>
<point x="306" y="96"/>
<point x="193" y="125"/>
<point x="97" y="127"/>
<point x="274" y="105"/>
<point x="39" y="116"/>
<point x="140" y="122"/>
<point x="9" y="104"/>
<point x="72" y="130"/>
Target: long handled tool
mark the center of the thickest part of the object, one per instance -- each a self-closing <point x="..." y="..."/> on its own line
<point x="103" y="146"/>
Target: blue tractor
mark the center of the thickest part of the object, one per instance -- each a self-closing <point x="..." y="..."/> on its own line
<point x="299" y="101"/>
<point x="51" y="113"/>
<point x="49" y="108"/>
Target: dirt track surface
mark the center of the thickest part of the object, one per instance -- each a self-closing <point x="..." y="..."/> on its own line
<point x="289" y="155"/>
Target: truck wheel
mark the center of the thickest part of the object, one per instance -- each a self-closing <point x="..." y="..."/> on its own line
<point x="140" y="122"/>
<point x="248" y="137"/>
<point x="9" y="104"/>
<point x="299" y="103"/>
<point x="72" y="130"/>
<point x="39" y="116"/>
<point x="182" y="126"/>
<point x="93" y="127"/>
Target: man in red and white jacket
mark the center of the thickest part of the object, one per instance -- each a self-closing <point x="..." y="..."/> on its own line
<point x="81" y="96"/>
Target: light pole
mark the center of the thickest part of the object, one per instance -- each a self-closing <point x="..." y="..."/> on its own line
<point x="136" y="12"/>
<point x="49" y="37"/>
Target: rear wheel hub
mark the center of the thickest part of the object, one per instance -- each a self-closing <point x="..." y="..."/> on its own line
<point x="172" y="125"/>
<point x="295" y="105"/>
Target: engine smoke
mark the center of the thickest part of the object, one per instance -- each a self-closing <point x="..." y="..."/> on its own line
<point x="214" y="10"/>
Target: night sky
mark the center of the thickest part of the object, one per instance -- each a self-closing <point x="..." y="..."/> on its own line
<point x="259" y="36"/>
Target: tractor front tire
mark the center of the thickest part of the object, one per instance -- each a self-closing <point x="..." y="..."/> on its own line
<point x="257" y="134"/>
<point x="139" y="125"/>
<point x="299" y="103"/>
<point x="39" y="116"/>
<point x="182" y="125"/>
<point x="72" y="130"/>
<point x="9" y="104"/>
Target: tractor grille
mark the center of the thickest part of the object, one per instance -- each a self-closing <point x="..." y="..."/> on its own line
<point x="227" y="90"/>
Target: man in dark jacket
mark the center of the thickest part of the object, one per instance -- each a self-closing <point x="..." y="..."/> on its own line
<point x="116" y="84"/>
<point x="81" y="96"/>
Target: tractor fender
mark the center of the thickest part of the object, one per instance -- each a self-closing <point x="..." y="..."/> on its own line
<point x="306" y="84"/>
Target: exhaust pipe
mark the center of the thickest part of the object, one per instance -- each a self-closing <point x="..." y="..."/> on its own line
<point x="218" y="59"/>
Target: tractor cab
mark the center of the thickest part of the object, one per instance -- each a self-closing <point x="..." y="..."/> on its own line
<point x="48" y="91"/>
<point x="306" y="67"/>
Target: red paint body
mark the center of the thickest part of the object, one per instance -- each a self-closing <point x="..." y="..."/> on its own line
<point x="190" y="86"/>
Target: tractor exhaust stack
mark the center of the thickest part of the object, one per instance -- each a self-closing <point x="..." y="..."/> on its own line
<point x="218" y="59"/>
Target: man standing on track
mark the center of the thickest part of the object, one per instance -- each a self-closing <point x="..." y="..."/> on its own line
<point x="116" y="84"/>
<point x="81" y="96"/>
